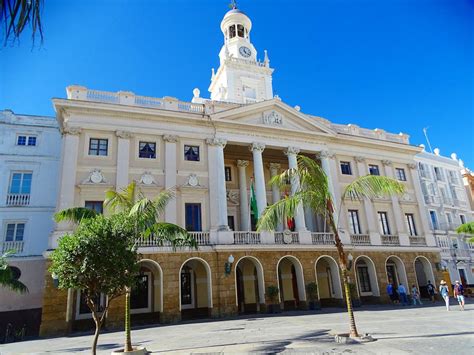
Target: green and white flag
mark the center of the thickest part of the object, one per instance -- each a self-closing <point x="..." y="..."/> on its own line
<point x="253" y="201"/>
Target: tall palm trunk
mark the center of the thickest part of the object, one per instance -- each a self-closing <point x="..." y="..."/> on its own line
<point x="128" y="338"/>
<point x="342" y="263"/>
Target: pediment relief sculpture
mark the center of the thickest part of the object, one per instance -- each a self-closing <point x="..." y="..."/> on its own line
<point x="272" y="118"/>
<point x="95" y="177"/>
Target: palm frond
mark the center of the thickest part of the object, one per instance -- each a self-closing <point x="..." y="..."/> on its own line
<point x="121" y="200"/>
<point x="466" y="228"/>
<point x="279" y="211"/>
<point x="7" y="280"/>
<point x="169" y="233"/>
<point x="163" y="198"/>
<point x="373" y="186"/>
<point x="75" y="215"/>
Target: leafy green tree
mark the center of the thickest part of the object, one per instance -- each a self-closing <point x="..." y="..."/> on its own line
<point x="98" y="258"/>
<point x="145" y="214"/>
<point x="7" y="278"/>
<point x="466" y="228"/>
<point x="313" y="192"/>
<point x="17" y="15"/>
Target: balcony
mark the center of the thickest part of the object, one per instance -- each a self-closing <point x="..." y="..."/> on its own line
<point x="18" y="200"/>
<point x="247" y="238"/>
<point x="287" y="238"/>
<point x="17" y="246"/>
<point x="202" y="238"/>
<point x="360" y="239"/>
<point x="390" y="239"/>
<point x="415" y="240"/>
<point x="322" y="238"/>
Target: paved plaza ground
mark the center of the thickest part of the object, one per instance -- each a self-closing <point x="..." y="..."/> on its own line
<point x="398" y="330"/>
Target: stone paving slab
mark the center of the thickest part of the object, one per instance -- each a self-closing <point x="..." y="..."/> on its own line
<point x="398" y="330"/>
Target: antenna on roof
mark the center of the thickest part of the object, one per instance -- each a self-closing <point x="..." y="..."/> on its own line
<point x="233" y="4"/>
<point x="425" y="131"/>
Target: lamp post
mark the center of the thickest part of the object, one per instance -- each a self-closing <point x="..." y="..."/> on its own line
<point x="228" y="265"/>
<point x="55" y="278"/>
<point x="350" y="259"/>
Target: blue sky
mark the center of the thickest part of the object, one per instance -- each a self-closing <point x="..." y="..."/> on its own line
<point x="400" y="65"/>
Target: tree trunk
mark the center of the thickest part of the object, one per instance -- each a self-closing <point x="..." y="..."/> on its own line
<point x="96" y="336"/>
<point x="342" y="263"/>
<point x="128" y="338"/>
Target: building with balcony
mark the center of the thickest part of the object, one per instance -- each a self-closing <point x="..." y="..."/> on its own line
<point x="29" y="161"/>
<point x="447" y="207"/>
<point x="215" y="151"/>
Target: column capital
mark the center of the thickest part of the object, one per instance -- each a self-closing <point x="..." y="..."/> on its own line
<point x="220" y="142"/>
<point x="292" y="151"/>
<point x="123" y="134"/>
<point x="386" y="162"/>
<point x="170" y="138"/>
<point x="274" y="166"/>
<point x="259" y="147"/>
<point x="412" y="166"/>
<point x="242" y="163"/>
<point x="74" y="131"/>
<point x="325" y="154"/>
<point x="359" y="159"/>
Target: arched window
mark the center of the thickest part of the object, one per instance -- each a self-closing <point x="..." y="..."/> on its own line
<point x="240" y="31"/>
<point x="232" y="31"/>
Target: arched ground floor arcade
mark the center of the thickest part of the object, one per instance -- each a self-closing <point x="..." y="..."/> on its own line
<point x="174" y="286"/>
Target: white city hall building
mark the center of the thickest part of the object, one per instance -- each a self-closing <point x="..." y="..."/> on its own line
<point x="212" y="150"/>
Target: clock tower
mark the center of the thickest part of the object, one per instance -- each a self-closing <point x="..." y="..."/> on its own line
<point x="241" y="77"/>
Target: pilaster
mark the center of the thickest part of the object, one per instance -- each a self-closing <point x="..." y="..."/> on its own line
<point x="170" y="175"/>
<point x="123" y="159"/>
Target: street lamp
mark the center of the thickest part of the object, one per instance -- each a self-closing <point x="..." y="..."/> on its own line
<point x="55" y="278"/>
<point x="350" y="258"/>
<point x="228" y="265"/>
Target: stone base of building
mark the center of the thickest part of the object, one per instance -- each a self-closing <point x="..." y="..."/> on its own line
<point x="187" y="285"/>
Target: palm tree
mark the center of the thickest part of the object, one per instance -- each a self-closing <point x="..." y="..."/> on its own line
<point x="18" y="14"/>
<point x="145" y="213"/>
<point x="7" y="278"/>
<point x="313" y="192"/>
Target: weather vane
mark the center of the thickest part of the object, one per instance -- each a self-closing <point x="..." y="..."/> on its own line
<point x="233" y="4"/>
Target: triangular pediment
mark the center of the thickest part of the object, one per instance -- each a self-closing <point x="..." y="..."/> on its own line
<point x="274" y="114"/>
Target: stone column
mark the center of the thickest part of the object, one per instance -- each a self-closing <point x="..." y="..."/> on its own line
<point x="259" y="177"/>
<point x="217" y="188"/>
<point x="397" y="211"/>
<point x="170" y="176"/>
<point x="374" y="233"/>
<point x="329" y="165"/>
<point x="67" y="182"/>
<point x="425" y="225"/>
<point x="274" y="171"/>
<point x="291" y="152"/>
<point x="244" y="201"/>
<point x="123" y="158"/>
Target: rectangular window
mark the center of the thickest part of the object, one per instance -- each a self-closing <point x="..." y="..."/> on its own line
<point x="346" y="168"/>
<point x="83" y="308"/>
<point x="462" y="218"/>
<point x="193" y="217"/>
<point x="147" y="150"/>
<point x="449" y="217"/>
<point x="400" y="174"/>
<point x="411" y="224"/>
<point x="438" y="173"/>
<point x="98" y="146"/>
<point x="453" y="193"/>
<point x="97" y="206"/>
<point x="434" y="220"/>
<point x="15" y="232"/>
<point x="383" y="223"/>
<point x="20" y="183"/>
<point x="364" y="278"/>
<point x="26" y="140"/>
<point x="191" y="153"/>
<point x="228" y="173"/>
<point x="231" y="222"/>
<point x="374" y="169"/>
<point x="354" y="221"/>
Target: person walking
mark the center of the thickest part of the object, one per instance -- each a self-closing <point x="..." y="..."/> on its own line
<point x="391" y="292"/>
<point x="431" y="291"/>
<point x="402" y="291"/>
<point x="444" y="291"/>
<point x="459" y="294"/>
<point x="415" y="294"/>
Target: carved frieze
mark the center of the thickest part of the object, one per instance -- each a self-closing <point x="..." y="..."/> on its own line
<point x="272" y="118"/>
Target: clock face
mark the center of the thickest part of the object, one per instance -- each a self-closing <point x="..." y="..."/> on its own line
<point x="246" y="52"/>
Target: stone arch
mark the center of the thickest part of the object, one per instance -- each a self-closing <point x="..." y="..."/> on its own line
<point x="155" y="286"/>
<point x="290" y="282"/>
<point x="423" y="272"/>
<point x="328" y="279"/>
<point x="397" y="274"/>
<point x="362" y="284"/>
<point x="249" y="284"/>
<point x="195" y="288"/>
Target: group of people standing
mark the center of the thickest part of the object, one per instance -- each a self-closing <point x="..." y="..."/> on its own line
<point x="399" y="294"/>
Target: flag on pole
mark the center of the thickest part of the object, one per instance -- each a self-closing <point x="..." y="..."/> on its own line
<point x="253" y="200"/>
